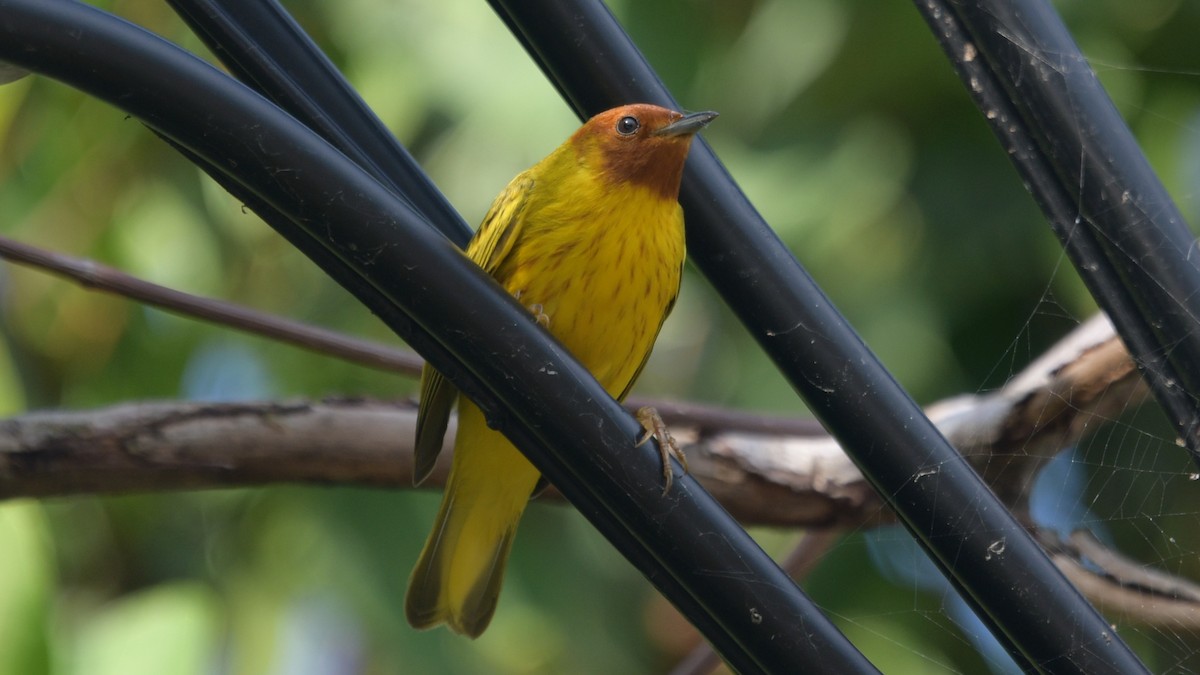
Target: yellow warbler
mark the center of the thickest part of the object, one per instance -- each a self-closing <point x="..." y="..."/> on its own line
<point x="591" y="240"/>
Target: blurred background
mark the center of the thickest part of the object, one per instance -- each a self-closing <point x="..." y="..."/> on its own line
<point x="842" y="121"/>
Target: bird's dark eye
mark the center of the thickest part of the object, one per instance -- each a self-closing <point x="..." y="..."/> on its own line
<point x="628" y="125"/>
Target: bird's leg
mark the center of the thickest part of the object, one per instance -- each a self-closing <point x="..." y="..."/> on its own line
<point x="539" y="316"/>
<point x="656" y="428"/>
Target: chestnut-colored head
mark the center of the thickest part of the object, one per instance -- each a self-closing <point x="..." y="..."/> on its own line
<point x="642" y="144"/>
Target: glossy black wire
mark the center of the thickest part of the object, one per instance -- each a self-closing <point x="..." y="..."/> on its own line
<point x="260" y="43"/>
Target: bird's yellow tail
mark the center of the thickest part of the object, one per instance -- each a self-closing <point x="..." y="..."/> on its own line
<point x="458" y="576"/>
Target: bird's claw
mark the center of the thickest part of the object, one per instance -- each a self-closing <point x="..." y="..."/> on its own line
<point x="539" y="314"/>
<point x="542" y="318"/>
<point x="654" y="427"/>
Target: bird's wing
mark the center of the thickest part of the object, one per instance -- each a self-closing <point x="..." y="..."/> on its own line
<point x="502" y="225"/>
<point x="488" y="249"/>
<point x="437" y="398"/>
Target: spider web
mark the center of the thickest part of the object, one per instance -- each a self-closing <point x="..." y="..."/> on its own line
<point x="1119" y="510"/>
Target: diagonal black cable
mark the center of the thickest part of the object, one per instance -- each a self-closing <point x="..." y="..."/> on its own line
<point x="525" y="382"/>
<point x="1120" y="228"/>
<point x="264" y="47"/>
<point x="1044" y="622"/>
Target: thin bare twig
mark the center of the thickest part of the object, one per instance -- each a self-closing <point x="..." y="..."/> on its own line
<point x="1124" y="587"/>
<point x="91" y="274"/>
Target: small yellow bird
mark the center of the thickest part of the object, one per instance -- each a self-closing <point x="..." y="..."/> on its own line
<point x="591" y="240"/>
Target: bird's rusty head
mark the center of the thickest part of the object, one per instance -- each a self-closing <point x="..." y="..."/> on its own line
<point x="642" y="144"/>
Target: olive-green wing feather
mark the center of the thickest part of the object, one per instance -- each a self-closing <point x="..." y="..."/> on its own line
<point x="488" y="248"/>
<point x="437" y="398"/>
<point x="502" y="225"/>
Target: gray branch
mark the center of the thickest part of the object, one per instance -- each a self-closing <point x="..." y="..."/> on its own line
<point x="779" y="478"/>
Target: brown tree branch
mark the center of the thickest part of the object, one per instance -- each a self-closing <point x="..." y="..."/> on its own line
<point x="766" y="470"/>
<point x="771" y="479"/>
<point x="156" y="447"/>
<point x="165" y="446"/>
<point x="1123" y="587"/>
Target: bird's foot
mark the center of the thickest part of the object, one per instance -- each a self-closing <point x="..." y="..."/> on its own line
<point x="536" y="309"/>
<point x="656" y="428"/>
<point x="542" y="318"/>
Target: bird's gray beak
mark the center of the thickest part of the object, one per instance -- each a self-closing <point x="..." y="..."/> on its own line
<point x="688" y="124"/>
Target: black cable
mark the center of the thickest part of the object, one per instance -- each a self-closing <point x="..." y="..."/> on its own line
<point x="264" y="47"/>
<point x="527" y="385"/>
<point x="1044" y="622"/>
<point x="1120" y="228"/>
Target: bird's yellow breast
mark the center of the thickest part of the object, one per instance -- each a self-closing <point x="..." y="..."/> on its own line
<point x="603" y="262"/>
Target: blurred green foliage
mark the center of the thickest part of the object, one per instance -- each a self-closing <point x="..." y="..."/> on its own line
<point x="840" y="118"/>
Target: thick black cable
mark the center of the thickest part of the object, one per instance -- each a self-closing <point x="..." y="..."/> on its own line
<point x="264" y="47"/>
<point x="525" y="382"/>
<point x="1044" y="622"/>
<point x="1120" y="228"/>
